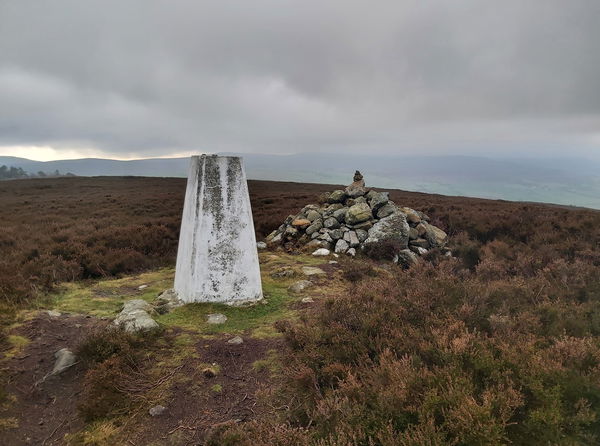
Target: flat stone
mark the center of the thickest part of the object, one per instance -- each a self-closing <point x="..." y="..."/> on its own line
<point x="261" y="245"/>
<point x="64" y="360"/>
<point x="216" y="318"/>
<point x="142" y="287"/>
<point x="301" y="223"/>
<point x="237" y="340"/>
<point x="420" y="242"/>
<point x="53" y="313"/>
<point x="312" y="271"/>
<point x="301" y="285"/>
<point x="321" y="252"/>
<point x="157" y="411"/>
<point x="307" y="300"/>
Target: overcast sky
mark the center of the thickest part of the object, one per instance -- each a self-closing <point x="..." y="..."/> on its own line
<point x="130" y="79"/>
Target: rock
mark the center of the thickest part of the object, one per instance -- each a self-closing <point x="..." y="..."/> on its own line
<point x="283" y="272"/>
<point x="277" y="238"/>
<point x="421" y="229"/>
<point x="332" y="262"/>
<point x="385" y="210"/>
<point x="361" y="234"/>
<point x="301" y="223"/>
<point x="312" y="271"/>
<point x="307" y="300"/>
<point x="313" y="215"/>
<point x="142" y="287"/>
<point x="413" y="234"/>
<point x="301" y="285"/>
<point x="321" y="252"/>
<point x="378" y="200"/>
<point x="134" y="317"/>
<point x="316" y="226"/>
<point x="261" y="245"/>
<point x="341" y="246"/>
<point x="327" y="236"/>
<point x="53" y="313"/>
<point x="351" y="252"/>
<point x="331" y="223"/>
<point x="336" y="234"/>
<point x="209" y="372"/>
<point x="237" y="340"/>
<point x="418" y="250"/>
<point x="64" y="360"/>
<point x="436" y="237"/>
<point x="420" y="242"/>
<point x="290" y="232"/>
<point x="337" y="196"/>
<point x="157" y="411"/>
<point x="316" y="244"/>
<point x="412" y="216"/>
<point x="328" y="212"/>
<point x="167" y="301"/>
<point x="340" y="214"/>
<point x="358" y="213"/>
<point x="357" y="188"/>
<point x="351" y="238"/>
<point x="365" y="225"/>
<point x="407" y="258"/>
<point x="393" y="227"/>
<point x="216" y="318"/>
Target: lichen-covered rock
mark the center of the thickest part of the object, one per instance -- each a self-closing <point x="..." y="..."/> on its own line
<point x="337" y="196"/>
<point x="301" y="285"/>
<point x="336" y="234"/>
<point x="378" y="200"/>
<point x="435" y="236"/>
<point x="411" y="215"/>
<point x="413" y="234"/>
<point x="340" y="214"/>
<point x="331" y="223"/>
<point x="395" y="227"/>
<point x="358" y="213"/>
<point x="313" y="215"/>
<point x="134" y="316"/>
<point x="362" y="235"/>
<point x="341" y="246"/>
<point x="351" y="238"/>
<point x="385" y="210"/>
<point x="407" y="258"/>
<point x="316" y="226"/>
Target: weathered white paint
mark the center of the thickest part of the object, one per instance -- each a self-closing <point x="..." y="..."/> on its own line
<point x="217" y="260"/>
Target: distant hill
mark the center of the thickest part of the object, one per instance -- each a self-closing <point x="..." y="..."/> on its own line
<point x="567" y="181"/>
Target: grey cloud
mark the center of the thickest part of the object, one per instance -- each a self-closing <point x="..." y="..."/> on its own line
<point x="280" y="76"/>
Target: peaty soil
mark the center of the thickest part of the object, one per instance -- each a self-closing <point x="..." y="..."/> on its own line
<point x="46" y="407"/>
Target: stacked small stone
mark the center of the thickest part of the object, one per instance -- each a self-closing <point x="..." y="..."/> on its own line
<point x="353" y="218"/>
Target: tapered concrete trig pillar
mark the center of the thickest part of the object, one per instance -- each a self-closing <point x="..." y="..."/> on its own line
<point x="217" y="260"/>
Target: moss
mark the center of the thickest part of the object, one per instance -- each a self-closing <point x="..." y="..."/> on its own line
<point x="17" y="344"/>
<point x="106" y="297"/>
<point x="218" y="388"/>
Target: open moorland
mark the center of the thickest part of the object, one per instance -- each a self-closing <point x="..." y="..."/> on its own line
<point x="498" y="344"/>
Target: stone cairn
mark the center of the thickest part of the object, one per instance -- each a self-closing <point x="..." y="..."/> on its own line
<point x="353" y="218"/>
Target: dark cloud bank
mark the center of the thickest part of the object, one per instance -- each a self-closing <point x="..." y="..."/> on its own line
<point x="391" y="77"/>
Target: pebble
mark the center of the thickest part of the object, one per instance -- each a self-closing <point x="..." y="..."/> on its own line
<point x="236" y="340"/>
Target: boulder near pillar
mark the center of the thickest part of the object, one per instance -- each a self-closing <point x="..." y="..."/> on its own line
<point x="217" y="259"/>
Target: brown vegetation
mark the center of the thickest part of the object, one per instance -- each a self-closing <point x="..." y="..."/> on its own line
<point x="500" y="345"/>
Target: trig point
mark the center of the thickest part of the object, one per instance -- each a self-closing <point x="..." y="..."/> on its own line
<point x="217" y="260"/>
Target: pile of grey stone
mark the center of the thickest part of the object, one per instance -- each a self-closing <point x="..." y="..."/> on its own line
<point x="353" y="218"/>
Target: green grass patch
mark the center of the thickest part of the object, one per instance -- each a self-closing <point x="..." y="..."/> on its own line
<point x="106" y="297"/>
<point x="257" y="318"/>
<point x="271" y="363"/>
<point x="218" y="388"/>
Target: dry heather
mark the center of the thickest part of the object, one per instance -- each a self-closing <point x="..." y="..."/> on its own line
<point x="499" y="345"/>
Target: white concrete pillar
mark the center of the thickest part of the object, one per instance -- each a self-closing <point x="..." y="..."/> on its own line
<point x="217" y="259"/>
